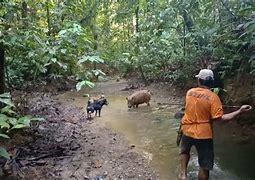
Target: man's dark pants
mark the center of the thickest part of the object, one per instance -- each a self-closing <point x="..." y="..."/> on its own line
<point x="204" y="149"/>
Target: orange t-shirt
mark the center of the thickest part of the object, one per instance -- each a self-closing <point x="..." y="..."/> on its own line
<point x="202" y="105"/>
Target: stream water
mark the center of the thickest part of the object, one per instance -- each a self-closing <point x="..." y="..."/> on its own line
<point x="153" y="132"/>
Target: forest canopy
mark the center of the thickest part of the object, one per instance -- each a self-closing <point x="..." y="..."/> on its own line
<point x="159" y="39"/>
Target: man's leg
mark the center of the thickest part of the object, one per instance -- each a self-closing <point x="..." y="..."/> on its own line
<point x="184" y="164"/>
<point x="186" y="143"/>
<point x="203" y="174"/>
<point x="205" y="157"/>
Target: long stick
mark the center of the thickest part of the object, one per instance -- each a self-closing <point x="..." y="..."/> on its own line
<point x="180" y="104"/>
<point x="228" y="106"/>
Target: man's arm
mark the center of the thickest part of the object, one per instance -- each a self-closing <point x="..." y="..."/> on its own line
<point x="232" y="115"/>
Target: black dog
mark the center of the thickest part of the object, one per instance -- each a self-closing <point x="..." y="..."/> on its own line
<point x="96" y="105"/>
<point x="90" y="108"/>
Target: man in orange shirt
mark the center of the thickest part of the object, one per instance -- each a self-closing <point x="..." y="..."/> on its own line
<point x="202" y="108"/>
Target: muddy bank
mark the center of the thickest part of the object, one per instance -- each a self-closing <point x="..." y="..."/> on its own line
<point x="151" y="128"/>
<point x="67" y="146"/>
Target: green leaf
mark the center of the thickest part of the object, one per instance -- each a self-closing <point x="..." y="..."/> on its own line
<point x="6" y="101"/>
<point x="252" y="58"/>
<point x="31" y="54"/>
<point x="47" y="64"/>
<point x="63" y="51"/>
<point x="4" y="153"/>
<point x="7" y="110"/>
<point x="125" y="54"/>
<point x="54" y="60"/>
<point x="82" y="84"/>
<point x="98" y="72"/>
<point x="253" y="64"/>
<point x="25" y="120"/>
<point x="3" y="117"/>
<point x="5" y="95"/>
<point x="216" y="90"/>
<point x="92" y="59"/>
<point x="12" y="121"/>
<point x="62" y="65"/>
<point x="37" y="119"/>
<point x="248" y="24"/>
<point x="62" y="32"/>
<point x="19" y="126"/>
<point x="52" y="51"/>
<point x="4" y="136"/>
<point x="3" y="123"/>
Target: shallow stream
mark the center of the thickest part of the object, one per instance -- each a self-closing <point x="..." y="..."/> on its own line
<point x="153" y="132"/>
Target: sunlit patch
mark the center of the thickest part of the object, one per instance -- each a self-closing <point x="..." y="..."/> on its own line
<point x="147" y="155"/>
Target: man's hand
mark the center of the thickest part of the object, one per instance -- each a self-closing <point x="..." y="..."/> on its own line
<point x="245" y="108"/>
<point x="232" y="115"/>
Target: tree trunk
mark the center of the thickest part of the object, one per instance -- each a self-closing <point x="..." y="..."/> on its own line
<point x="95" y="36"/>
<point x="189" y="24"/>
<point x="24" y="9"/>
<point x="225" y="4"/>
<point x="137" y="44"/>
<point x="187" y="20"/>
<point x="48" y="17"/>
<point x="95" y="48"/>
<point x="124" y="36"/>
<point x="184" y="40"/>
<point x="137" y="26"/>
<point x="2" y="62"/>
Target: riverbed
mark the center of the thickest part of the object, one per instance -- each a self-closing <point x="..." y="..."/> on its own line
<point x="152" y="131"/>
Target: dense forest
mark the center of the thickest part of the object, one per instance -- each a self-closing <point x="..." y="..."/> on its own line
<point x="160" y="39"/>
<point x="166" y="40"/>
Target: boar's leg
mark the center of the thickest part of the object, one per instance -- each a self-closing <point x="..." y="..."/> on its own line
<point x="136" y="105"/>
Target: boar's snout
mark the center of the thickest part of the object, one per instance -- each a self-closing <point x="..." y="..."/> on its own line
<point x="129" y="103"/>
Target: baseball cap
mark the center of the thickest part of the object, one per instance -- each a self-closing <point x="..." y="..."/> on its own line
<point x="205" y="74"/>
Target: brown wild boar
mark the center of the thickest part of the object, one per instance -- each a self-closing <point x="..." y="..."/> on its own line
<point x="139" y="97"/>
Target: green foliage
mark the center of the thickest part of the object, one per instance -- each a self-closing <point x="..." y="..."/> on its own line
<point x="84" y="83"/>
<point x="91" y="59"/>
<point x="10" y="120"/>
<point x="178" y="37"/>
<point x="4" y="153"/>
<point x="50" y="38"/>
<point x="6" y="99"/>
<point x="174" y="38"/>
<point x="45" y="40"/>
